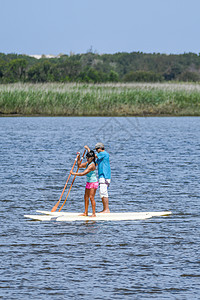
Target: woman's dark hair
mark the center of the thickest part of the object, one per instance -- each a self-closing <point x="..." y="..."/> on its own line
<point x="91" y="154"/>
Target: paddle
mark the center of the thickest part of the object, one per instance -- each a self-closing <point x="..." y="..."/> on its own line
<point x="72" y="183"/>
<point x="57" y="204"/>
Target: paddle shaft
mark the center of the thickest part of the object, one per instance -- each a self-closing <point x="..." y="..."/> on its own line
<point x="72" y="183"/>
<point x="57" y="204"/>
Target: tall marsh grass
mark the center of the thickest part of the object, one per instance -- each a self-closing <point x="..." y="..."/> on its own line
<point x="55" y="99"/>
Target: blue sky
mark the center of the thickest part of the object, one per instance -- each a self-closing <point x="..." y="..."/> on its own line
<point x="109" y="26"/>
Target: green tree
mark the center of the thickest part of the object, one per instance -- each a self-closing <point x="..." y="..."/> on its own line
<point x="15" y="70"/>
<point x="69" y="69"/>
<point x="113" y="76"/>
<point x="1" y="70"/>
<point x="92" y="67"/>
<point x="189" y="76"/>
<point x="41" y="72"/>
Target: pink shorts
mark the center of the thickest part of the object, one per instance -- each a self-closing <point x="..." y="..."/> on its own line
<point x="92" y="185"/>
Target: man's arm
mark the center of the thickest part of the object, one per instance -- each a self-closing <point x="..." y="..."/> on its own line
<point x="87" y="148"/>
<point x="99" y="157"/>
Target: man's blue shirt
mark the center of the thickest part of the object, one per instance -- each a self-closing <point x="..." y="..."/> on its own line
<point x="103" y="165"/>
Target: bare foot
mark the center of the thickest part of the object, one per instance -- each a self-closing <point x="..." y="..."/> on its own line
<point x="106" y="211"/>
<point x="93" y="215"/>
<point x="84" y="215"/>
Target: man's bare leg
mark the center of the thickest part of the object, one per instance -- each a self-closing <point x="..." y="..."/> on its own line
<point x="105" y="205"/>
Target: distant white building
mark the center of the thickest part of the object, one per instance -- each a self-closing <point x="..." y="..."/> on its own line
<point x="38" y="56"/>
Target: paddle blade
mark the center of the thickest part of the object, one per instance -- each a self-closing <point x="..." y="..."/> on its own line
<point x="72" y="182"/>
<point x="55" y="206"/>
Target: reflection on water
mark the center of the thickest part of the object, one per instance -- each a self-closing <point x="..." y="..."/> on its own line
<point x="155" y="166"/>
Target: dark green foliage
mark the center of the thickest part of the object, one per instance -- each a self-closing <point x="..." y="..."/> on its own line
<point x="143" y="76"/>
<point x="41" y="72"/>
<point x="113" y="76"/>
<point x="189" y="76"/>
<point x="95" y="68"/>
<point x="15" y="70"/>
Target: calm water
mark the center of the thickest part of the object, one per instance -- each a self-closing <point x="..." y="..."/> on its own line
<point x="155" y="166"/>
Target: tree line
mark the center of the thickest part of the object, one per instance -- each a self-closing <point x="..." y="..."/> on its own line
<point x="95" y="68"/>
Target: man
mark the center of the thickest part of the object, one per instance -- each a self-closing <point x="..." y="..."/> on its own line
<point x="104" y="173"/>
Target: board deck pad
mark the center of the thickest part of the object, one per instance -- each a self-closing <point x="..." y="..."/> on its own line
<point x="74" y="216"/>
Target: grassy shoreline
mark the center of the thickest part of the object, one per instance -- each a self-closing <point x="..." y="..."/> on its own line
<point x="134" y="99"/>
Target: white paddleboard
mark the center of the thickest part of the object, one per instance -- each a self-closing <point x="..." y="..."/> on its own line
<point x="70" y="216"/>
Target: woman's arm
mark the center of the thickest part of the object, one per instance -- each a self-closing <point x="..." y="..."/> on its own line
<point x="83" y="165"/>
<point x="88" y="170"/>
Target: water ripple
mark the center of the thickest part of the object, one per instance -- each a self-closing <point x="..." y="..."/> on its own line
<point x="155" y="166"/>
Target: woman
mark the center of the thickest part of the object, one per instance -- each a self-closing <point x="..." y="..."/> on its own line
<point x="92" y="183"/>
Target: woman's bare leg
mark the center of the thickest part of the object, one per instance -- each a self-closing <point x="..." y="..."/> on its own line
<point x="86" y="198"/>
<point x="92" y="195"/>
